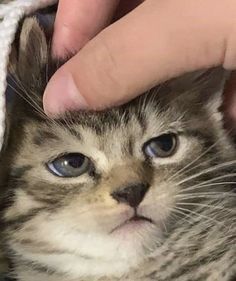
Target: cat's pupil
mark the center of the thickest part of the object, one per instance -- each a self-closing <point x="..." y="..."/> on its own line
<point x="164" y="142"/>
<point x="75" y="162"/>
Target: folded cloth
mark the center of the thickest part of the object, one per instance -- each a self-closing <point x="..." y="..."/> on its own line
<point x="11" y="11"/>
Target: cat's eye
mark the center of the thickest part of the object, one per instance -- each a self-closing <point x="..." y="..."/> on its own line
<point x="162" y="146"/>
<point x="70" y="165"/>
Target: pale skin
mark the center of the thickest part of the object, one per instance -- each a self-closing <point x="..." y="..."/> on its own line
<point x="151" y="41"/>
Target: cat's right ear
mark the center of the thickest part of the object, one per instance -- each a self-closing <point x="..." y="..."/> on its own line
<point x="33" y="50"/>
<point x="27" y="72"/>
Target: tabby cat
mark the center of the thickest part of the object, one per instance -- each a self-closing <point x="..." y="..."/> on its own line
<point x="144" y="191"/>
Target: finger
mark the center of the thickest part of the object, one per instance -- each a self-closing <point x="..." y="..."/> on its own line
<point x="158" y="40"/>
<point x="77" y="21"/>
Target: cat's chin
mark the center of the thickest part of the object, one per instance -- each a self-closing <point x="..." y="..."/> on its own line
<point x="110" y="255"/>
<point x="124" y="249"/>
<point x="138" y="238"/>
<point x="97" y="255"/>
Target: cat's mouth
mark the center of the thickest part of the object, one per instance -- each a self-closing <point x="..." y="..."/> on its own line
<point x="134" y="222"/>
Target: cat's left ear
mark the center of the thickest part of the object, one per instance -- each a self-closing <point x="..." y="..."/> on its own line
<point x="201" y="88"/>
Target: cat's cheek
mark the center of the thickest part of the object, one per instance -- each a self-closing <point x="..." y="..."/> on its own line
<point x="159" y="202"/>
<point x="23" y="204"/>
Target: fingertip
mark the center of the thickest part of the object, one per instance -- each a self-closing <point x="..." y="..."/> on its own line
<point x="79" y="21"/>
<point x="66" y="41"/>
<point x="62" y="94"/>
<point x="66" y="36"/>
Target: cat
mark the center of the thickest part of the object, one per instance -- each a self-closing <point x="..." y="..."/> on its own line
<point x="143" y="191"/>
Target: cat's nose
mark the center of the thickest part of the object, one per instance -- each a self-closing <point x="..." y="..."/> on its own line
<point x="132" y="194"/>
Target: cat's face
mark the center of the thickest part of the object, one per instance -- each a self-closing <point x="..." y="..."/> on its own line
<point x="83" y="184"/>
<point x="111" y="186"/>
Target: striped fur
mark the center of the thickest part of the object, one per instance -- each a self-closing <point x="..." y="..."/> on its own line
<point x="57" y="229"/>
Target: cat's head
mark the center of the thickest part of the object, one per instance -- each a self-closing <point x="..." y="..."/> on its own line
<point x="107" y="187"/>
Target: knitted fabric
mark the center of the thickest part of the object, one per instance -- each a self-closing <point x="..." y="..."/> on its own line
<point x="11" y="11"/>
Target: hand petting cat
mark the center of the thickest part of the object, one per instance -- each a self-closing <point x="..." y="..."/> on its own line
<point x="123" y="49"/>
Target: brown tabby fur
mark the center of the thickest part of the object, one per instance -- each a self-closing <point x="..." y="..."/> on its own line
<point x="62" y="229"/>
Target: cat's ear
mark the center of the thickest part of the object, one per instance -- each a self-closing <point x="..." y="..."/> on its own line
<point x="27" y="69"/>
<point x="200" y="85"/>
<point x="32" y="50"/>
<point x="198" y="89"/>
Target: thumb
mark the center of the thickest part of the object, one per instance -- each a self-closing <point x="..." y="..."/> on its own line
<point x="156" y="41"/>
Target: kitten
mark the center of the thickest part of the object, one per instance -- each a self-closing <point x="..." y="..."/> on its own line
<point x="139" y="192"/>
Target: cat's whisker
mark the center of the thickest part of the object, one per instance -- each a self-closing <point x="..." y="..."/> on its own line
<point x="18" y="83"/>
<point x="68" y="121"/>
<point x="198" y="215"/>
<point x="33" y="100"/>
<point x="202" y="164"/>
<point x="211" y="182"/>
<point x="205" y="195"/>
<point x="32" y="103"/>
<point x="209" y="206"/>
<point x="184" y="169"/>
<point x="187" y="217"/>
<point x="175" y="216"/>
<point x="181" y="215"/>
<point x="209" y="170"/>
<point x="214" y="179"/>
<point x="194" y="161"/>
<point x="32" y="96"/>
<point x="195" y="187"/>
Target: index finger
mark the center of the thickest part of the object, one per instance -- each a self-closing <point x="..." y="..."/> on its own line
<point x="77" y="21"/>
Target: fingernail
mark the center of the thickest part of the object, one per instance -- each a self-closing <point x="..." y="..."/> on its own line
<point x="62" y="94"/>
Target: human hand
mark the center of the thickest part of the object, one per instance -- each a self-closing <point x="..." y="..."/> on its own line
<point x="158" y="40"/>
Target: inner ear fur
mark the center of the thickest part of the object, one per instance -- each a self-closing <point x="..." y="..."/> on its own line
<point x="33" y="50"/>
